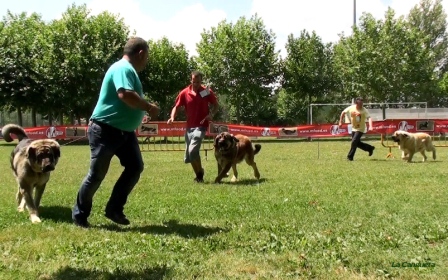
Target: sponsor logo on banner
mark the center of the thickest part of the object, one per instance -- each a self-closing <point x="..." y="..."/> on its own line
<point x="266" y="131"/>
<point x="336" y="130"/>
<point x="53" y="132"/>
<point x="404" y="125"/>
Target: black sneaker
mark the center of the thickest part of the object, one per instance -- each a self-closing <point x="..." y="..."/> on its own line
<point x="197" y="180"/>
<point x="118" y="218"/>
<point x="81" y="223"/>
<point x="200" y="176"/>
<point x="371" y="151"/>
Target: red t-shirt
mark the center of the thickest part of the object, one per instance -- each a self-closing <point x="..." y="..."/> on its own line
<point x="196" y="106"/>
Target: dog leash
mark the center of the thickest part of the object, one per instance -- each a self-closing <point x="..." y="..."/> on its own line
<point x="80" y="138"/>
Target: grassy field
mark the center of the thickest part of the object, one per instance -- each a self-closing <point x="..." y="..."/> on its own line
<point x="313" y="215"/>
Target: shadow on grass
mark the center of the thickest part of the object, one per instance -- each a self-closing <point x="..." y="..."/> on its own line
<point x="245" y="182"/>
<point x="57" y="214"/>
<point x="68" y="273"/>
<point x="170" y="227"/>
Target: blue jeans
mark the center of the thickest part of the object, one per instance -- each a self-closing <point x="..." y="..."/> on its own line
<point x="106" y="141"/>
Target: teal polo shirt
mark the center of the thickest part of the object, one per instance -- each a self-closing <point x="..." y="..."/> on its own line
<point x="109" y="108"/>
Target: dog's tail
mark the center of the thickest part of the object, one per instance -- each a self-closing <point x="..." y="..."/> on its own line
<point x="257" y="148"/>
<point x="14" y="129"/>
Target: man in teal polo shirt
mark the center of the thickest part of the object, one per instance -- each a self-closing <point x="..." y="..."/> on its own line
<point x="117" y="114"/>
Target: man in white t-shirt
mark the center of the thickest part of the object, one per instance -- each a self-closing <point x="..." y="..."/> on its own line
<point x="358" y="116"/>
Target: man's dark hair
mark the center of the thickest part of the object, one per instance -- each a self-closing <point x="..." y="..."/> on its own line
<point x="197" y="73"/>
<point x="134" y="45"/>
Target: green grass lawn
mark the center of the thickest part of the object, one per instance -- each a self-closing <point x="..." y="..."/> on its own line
<point x="313" y="215"/>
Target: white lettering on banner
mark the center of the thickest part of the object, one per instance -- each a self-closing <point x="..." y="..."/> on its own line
<point x="313" y="130"/>
<point x="385" y="127"/>
<point x="172" y="129"/>
<point x="243" y="130"/>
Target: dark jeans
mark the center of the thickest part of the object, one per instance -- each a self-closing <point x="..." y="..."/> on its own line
<point x="105" y="142"/>
<point x="356" y="143"/>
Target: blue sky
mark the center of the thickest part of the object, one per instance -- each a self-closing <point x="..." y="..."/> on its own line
<point x="183" y="20"/>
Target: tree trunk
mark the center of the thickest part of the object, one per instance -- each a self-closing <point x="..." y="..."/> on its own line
<point x="50" y="119"/>
<point x="34" y="117"/>
<point x="61" y="118"/>
<point x="19" y="116"/>
<point x="238" y="114"/>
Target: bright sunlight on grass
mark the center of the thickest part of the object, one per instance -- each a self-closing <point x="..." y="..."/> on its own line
<point x="313" y="215"/>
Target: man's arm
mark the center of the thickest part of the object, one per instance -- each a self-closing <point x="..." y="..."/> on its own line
<point x="212" y="113"/>
<point x="341" y="118"/>
<point x="370" y="123"/>
<point x="177" y="103"/>
<point x="133" y="100"/>
<point x="214" y="110"/>
<point x="172" y="115"/>
<point x="124" y="81"/>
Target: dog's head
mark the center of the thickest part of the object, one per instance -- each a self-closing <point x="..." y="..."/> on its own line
<point x="43" y="155"/>
<point x="225" y="141"/>
<point x="400" y="136"/>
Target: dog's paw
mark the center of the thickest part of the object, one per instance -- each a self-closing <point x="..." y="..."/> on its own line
<point x="234" y="179"/>
<point x="20" y="208"/>
<point x="35" y="219"/>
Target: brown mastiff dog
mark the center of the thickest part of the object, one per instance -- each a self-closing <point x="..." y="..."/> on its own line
<point x="411" y="143"/>
<point x="31" y="162"/>
<point x="231" y="150"/>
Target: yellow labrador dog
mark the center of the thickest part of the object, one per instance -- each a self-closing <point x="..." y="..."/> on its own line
<point x="31" y="162"/>
<point x="411" y="143"/>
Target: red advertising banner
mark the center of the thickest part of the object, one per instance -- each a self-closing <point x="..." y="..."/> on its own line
<point x="331" y="130"/>
<point x="162" y="129"/>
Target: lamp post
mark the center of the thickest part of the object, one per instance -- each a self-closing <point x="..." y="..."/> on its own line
<point x="354" y="13"/>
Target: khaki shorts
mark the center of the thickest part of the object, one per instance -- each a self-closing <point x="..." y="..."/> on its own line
<point x="193" y="141"/>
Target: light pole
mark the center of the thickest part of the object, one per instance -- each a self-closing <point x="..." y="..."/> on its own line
<point x="354" y="13"/>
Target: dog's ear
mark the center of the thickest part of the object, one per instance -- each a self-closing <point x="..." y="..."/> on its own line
<point x="31" y="154"/>
<point x="215" y="143"/>
<point x="56" y="151"/>
<point x="235" y="139"/>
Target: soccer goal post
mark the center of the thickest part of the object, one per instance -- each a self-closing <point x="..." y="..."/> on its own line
<point x="330" y="112"/>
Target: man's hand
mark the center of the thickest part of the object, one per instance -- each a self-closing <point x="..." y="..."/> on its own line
<point x="153" y="111"/>
<point x="170" y="121"/>
<point x="340" y="123"/>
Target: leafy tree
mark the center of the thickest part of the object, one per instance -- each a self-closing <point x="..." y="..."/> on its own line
<point x="83" y="47"/>
<point x="241" y="63"/>
<point x="22" y="46"/>
<point x="307" y="74"/>
<point x="289" y="108"/>
<point x="384" y="61"/>
<point x="167" y="72"/>
<point x="429" y="20"/>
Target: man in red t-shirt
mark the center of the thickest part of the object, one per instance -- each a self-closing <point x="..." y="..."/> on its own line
<point x="196" y="100"/>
